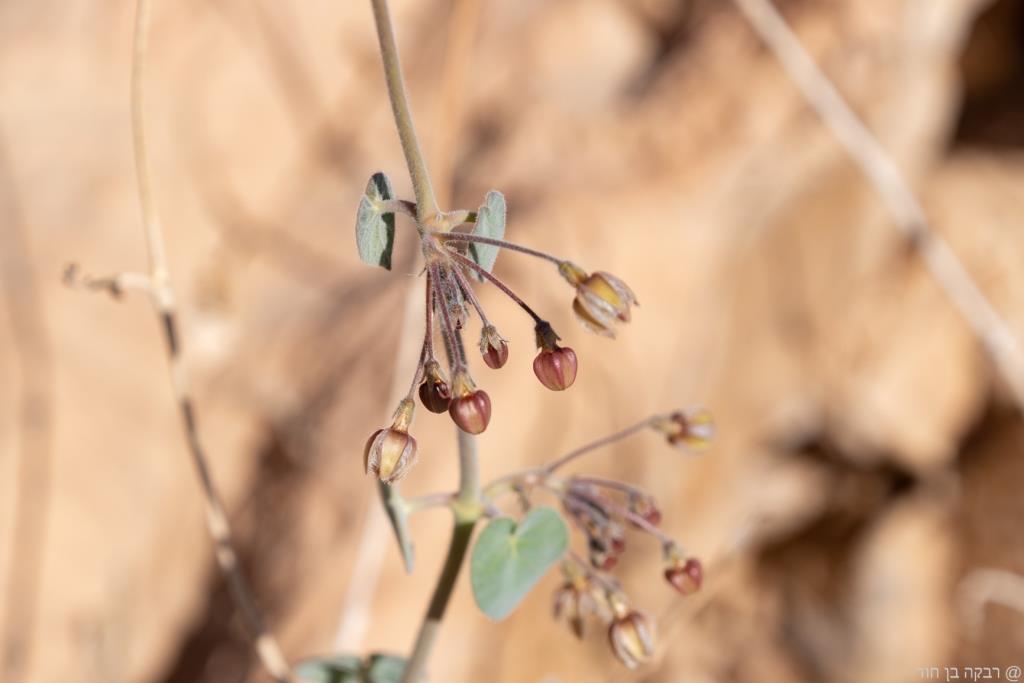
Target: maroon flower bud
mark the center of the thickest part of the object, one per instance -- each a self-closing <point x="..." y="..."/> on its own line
<point x="493" y="348"/>
<point x="646" y="507"/>
<point x="471" y="407"/>
<point x="434" y="392"/>
<point x="685" y="576"/>
<point x="601" y="557"/>
<point x="632" y="639"/>
<point x="556" y="368"/>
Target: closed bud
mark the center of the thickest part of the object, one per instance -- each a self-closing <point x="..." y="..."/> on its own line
<point x="389" y="454"/>
<point x="646" y="507"/>
<point x="556" y="368"/>
<point x="632" y="639"/>
<point x="471" y="407"/>
<point x="493" y="348"/>
<point x="435" y="395"/>
<point x="686" y="576"/>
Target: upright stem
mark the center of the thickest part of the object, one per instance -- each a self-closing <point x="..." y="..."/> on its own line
<point x="467" y="504"/>
<point x="426" y="204"/>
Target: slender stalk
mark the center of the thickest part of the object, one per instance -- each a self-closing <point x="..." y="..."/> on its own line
<point x="428" y="323"/>
<point x="593" y="445"/>
<point x="426" y="204"/>
<point x="163" y="300"/>
<point x="471" y="295"/>
<point x="511" y="246"/>
<point x="483" y="272"/>
<point x="457" y="357"/>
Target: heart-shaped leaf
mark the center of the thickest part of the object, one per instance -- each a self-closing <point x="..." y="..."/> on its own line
<point x="377" y="668"/>
<point x="490" y="222"/>
<point x="509" y="559"/>
<point x="375" y="228"/>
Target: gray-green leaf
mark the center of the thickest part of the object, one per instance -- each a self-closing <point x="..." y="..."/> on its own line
<point x="336" y="669"/>
<point x="377" y="668"/>
<point x="490" y="222"/>
<point x="509" y="559"/>
<point x="375" y="228"/>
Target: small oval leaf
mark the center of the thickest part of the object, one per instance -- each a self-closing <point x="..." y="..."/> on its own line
<point x="490" y="222"/>
<point x="375" y="228"/>
<point x="509" y="559"/>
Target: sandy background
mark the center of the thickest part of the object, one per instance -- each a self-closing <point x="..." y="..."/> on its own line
<point x="868" y="461"/>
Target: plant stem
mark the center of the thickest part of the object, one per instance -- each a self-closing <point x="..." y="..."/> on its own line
<point x="426" y="204"/>
<point x="416" y="666"/>
<point x="511" y="246"/>
<point x="467" y="511"/>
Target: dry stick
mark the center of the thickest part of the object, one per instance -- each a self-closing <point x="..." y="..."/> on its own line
<point x="162" y="297"/>
<point x="33" y="469"/>
<point x="990" y="327"/>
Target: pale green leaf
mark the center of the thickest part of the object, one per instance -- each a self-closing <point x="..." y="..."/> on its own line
<point x="509" y="559"/>
<point x="375" y="228"/>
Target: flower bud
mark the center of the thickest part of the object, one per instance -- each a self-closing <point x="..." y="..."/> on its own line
<point x="646" y="507"/>
<point x="601" y="301"/>
<point x="471" y="407"/>
<point x="685" y="576"/>
<point x="693" y="430"/>
<point x="389" y="454"/>
<point x="632" y="639"/>
<point x="556" y="368"/>
<point x="435" y="394"/>
<point x="493" y="348"/>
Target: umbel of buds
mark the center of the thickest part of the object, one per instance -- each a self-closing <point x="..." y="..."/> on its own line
<point x="470" y="407"/>
<point x="434" y="392"/>
<point x="493" y="348"/>
<point x="631" y="635"/>
<point x="555" y="366"/>
<point x="602" y="300"/>
<point x="390" y="452"/>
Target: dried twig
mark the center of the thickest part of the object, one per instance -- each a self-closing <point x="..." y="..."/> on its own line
<point x="32" y="482"/>
<point x="877" y="164"/>
<point x="162" y="297"/>
<point x="984" y="586"/>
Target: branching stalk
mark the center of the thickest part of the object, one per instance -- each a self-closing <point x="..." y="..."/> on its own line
<point x="511" y="246"/>
<point x="485" y="274"/>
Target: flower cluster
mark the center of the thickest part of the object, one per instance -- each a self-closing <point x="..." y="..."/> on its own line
<point x="601" y="300"/>
<point x="603" y="511"/>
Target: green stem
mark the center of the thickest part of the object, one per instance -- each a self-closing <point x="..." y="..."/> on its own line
<point x="417" y="663"/>
<point x="426" y="204"/>
<point x="467" y="510"/>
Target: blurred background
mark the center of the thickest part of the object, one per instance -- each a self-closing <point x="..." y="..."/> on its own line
<point x="867" y="476"/>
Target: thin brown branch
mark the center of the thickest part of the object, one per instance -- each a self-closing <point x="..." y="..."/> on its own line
<point x="33" y="469"/>
<point x="991" y="329"/>
<point x="266" y="646"/>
